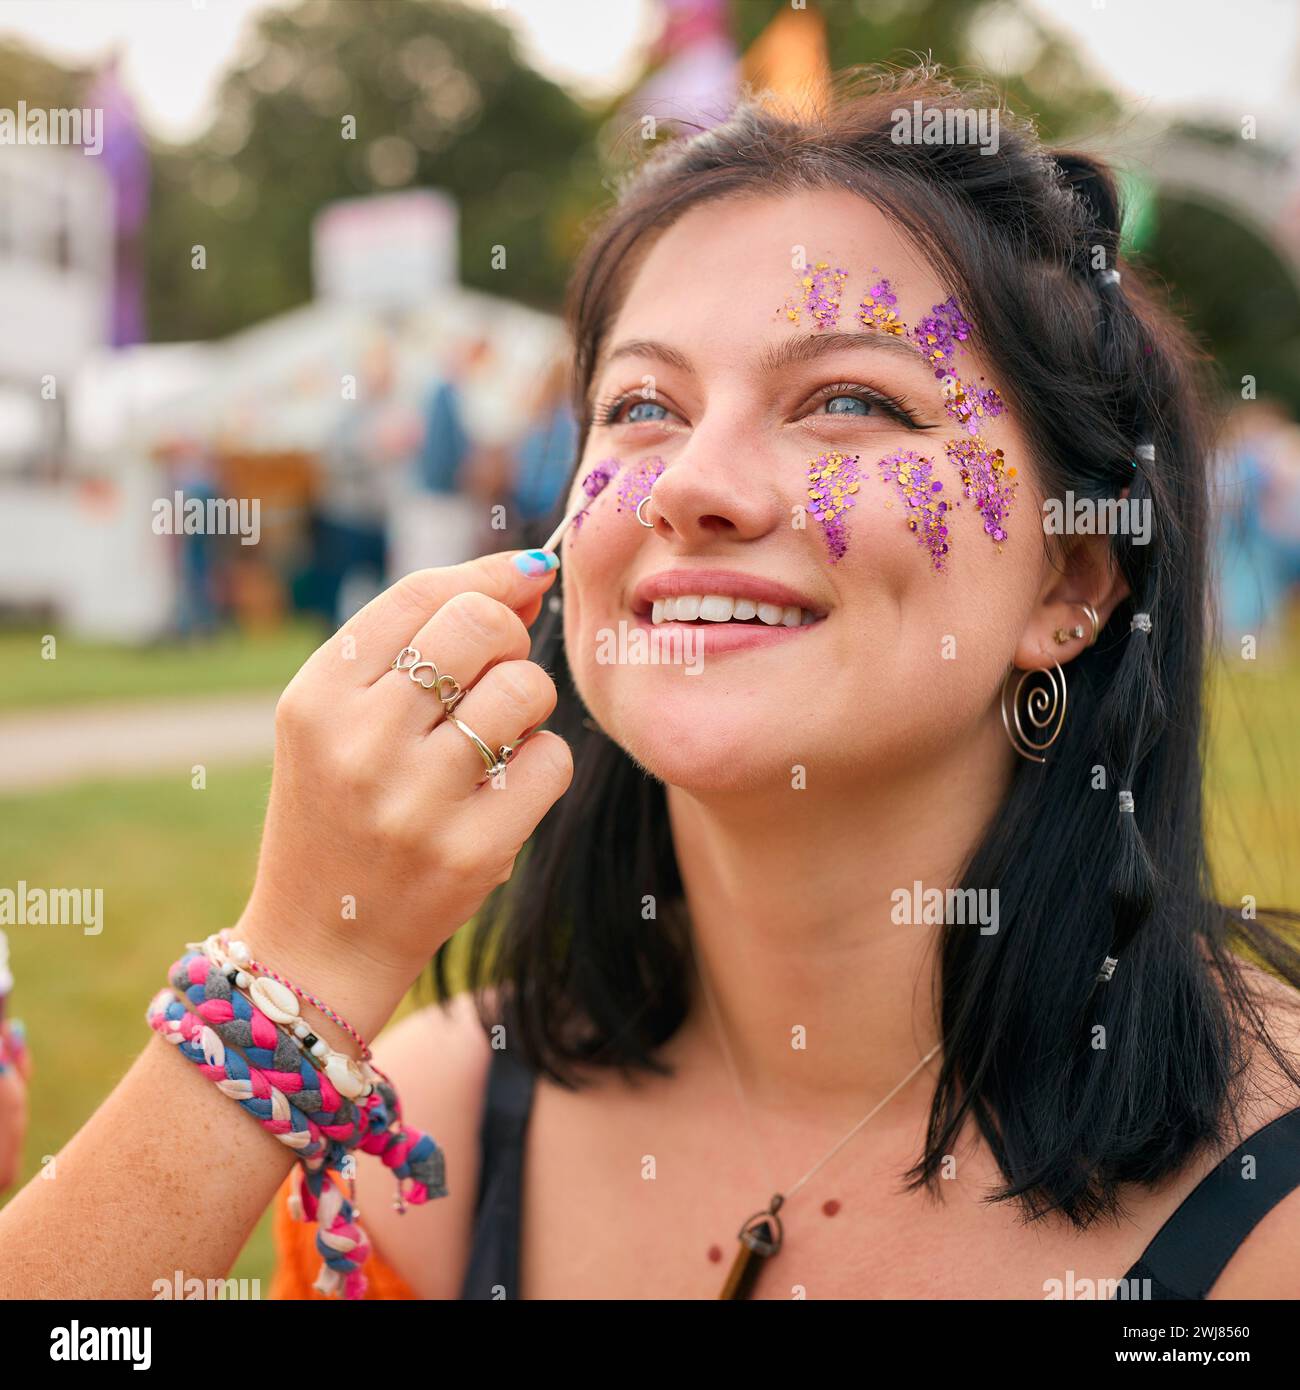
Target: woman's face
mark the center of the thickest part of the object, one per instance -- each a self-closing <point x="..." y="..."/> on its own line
<point x="738" y="381"/>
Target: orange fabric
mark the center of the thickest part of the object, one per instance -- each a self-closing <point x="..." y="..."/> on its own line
<point x="297" y="1261"/>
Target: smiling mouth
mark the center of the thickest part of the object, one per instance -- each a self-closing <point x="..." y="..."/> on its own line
<point x="705" y="610"/>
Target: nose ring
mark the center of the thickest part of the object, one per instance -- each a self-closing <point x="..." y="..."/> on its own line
<point x="649" y="525"/>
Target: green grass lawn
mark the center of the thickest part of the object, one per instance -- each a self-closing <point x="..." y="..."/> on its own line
<point x="81" y="671"/>
<point x="175" y="864"/>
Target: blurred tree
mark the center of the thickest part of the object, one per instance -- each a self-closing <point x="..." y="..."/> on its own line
<point x="440" y="98"/>
<point x="37" y="81"/>
<point x="1038" y="70"/>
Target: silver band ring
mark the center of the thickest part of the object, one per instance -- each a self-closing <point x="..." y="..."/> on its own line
<point x="447" y="688"/>
<point x="494" y="763"/>
<point x="649" y="525"/>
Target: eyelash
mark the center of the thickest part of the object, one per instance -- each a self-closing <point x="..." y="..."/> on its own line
<point x="607" y="407"/>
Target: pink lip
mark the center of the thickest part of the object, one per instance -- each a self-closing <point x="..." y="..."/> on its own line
<point x="738" y="584"/>
<point x="715" y="638"/>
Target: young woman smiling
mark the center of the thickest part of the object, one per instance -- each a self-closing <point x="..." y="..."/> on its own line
<point x="794" y="341"/>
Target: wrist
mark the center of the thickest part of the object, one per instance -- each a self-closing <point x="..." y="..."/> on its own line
<point x="336" y="968"/>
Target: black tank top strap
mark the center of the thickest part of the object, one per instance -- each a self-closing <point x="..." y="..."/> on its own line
<point x="1191" y="1249"/>
<point x="493" y="1269"/>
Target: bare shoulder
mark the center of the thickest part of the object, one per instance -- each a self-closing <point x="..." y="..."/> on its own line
<point x="437" y="1058"/>
<point x="1264" y="1265"/>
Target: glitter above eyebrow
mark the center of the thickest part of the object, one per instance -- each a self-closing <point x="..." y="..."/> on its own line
<point x="877" y="309"/>
<point x="820" y="288"/>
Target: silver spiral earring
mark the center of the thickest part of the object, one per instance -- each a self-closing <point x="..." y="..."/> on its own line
<point x="1044" y="708"/>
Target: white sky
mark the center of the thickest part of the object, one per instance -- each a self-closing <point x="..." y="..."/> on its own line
<point x="1230" y="60"/>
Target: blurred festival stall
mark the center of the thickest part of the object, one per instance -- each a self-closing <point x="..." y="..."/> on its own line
<point x="384" y="414"/>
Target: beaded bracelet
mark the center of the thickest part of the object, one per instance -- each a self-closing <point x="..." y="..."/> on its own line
<point x="275" y="998"/>
<point x="260" y="1065"/>
<point x="239" y="953"/>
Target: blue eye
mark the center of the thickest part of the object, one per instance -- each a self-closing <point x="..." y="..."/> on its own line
<point x="847" y="405"/>
<point x="633" y="417"/>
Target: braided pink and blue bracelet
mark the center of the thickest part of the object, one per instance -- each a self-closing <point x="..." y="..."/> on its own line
<point x="265" y="1069"/>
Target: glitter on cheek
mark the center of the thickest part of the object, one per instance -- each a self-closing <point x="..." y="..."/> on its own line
<point x="819" y="292"/>
<point x="595" y="483"/>
<point x="987" y="479"/>
<point x="833" y="481"/>
<point x="926" y="511"/>
<point x="637" y="482"/>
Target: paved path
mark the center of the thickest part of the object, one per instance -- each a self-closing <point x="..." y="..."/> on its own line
<point x="133" y="739"/>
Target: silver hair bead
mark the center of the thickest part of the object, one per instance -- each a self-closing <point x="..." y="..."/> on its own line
<point x="1146" y="452"/>
<point x="1141" y="623"/>
<point x="1126" y="801"/>
<point x="1108" y="277"/>
<point x="1107" y="969"/>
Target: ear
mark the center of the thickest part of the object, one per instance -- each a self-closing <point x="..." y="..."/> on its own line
<point x="1085" y="572"/>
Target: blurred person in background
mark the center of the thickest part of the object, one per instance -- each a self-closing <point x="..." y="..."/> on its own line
<point x="360" y="466"/>
<point x="544" y="456"/>
<point x="191" y="471"/>
<point x="436" y="519"/>
<point x="1258" y="493"/>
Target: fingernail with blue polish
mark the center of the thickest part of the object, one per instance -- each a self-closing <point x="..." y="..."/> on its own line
<point x="535" y="563"/>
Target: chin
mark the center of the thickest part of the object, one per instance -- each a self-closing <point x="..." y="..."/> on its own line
<point x="703" y="745"/>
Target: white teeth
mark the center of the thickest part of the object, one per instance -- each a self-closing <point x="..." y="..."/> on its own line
<point x="716" y="608"/>
<point x="722" y="608"/>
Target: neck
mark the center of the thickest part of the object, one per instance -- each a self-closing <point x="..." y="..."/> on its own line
<point x="825" y="1001"/>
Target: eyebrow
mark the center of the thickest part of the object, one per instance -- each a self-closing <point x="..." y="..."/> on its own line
<point x="780" y="355"/>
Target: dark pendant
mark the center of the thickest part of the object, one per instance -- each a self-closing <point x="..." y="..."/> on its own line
<point x="760" y="1238"/>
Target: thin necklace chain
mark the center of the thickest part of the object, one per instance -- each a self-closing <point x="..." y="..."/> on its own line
<point x="744" y="1104"/>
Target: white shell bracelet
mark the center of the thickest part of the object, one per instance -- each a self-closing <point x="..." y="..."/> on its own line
<point x="350" y="1078"/>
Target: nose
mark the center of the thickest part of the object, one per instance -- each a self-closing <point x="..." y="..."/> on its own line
<point x="717" y="486"/>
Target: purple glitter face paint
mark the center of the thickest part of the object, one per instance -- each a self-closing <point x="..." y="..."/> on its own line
<point x="986" y="478"/>
<point x="926" y="510"/>
<point x="877" y="309"/>
<point x="939" y="335"/>
<point x="595" y="483"/>
<point x="819" y="294"/>
<point x="969" y="405"/>
<point x="637" y="482"/>
<point x="833" y="479"/>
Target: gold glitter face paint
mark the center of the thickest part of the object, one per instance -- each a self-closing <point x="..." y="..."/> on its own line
<point x="818" y="295"/>
<point x="635" y="485"/>
<point x="940" y="335"/>
<point x="987" y="479"/>
<point x="877" y="308"/>
<point x="833" y="482"/>
<point x="925" y="509"/>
